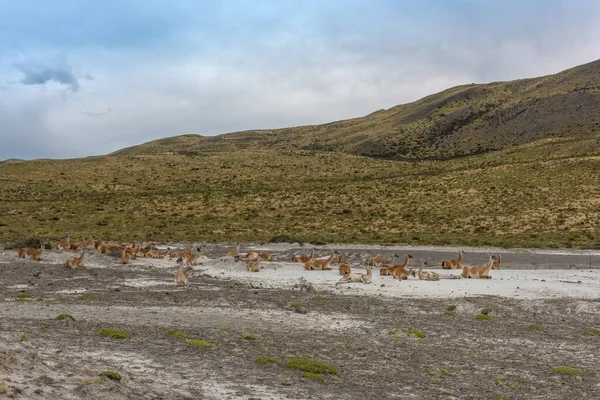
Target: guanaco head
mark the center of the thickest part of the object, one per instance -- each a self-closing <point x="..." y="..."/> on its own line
<point x="412" y="272"/>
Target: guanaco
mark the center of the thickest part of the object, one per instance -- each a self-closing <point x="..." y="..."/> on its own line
<point x="65" y="244"/>
<point x="399" y="271"/>
<point x="497" y="262"/>
<point x="36" y="254"/>
<point x="344" y="268"/>
<point x="454" y="264"/>
<point x="125" y="256"/>
<point x="319" y="264"/>
<point x="267" y="257"/>
<point x="75" y="262"/>
<point x="236" y="252"/>
<point x="155" y="253"/>
<point x="254" y="265"/>
<point x="479" y="272"/>
<point x="427" y="275"/>
<point x="249" y="256"/>
<point x="380" y="260"/>
<point x="357" y="277"/>
<point x="304" y="259"/>
<point x="181" y="277"/>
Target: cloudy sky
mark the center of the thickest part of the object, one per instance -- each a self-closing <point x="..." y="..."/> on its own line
<point x="87" y="77"/>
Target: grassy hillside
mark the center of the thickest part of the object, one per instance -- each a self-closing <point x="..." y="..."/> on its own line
<point x="542" y="194"/>
<point x="463" y="120"/>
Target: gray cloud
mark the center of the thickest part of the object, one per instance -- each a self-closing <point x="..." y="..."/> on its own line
<point x="40" y="75"/>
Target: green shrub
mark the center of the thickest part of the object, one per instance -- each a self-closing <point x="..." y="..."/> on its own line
<point x="179" y="334"/>
<point x="592" y="331"/>
<point x="483" y="317"/>
<point x="418" y="334"/>
<point x="451" y="307"/>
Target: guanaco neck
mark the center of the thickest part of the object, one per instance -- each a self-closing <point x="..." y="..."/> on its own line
<point x="405" y="262"/>
<point x="460" y="253"/>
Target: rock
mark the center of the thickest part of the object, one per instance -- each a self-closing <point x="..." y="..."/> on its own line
<point x="300" y="310"/>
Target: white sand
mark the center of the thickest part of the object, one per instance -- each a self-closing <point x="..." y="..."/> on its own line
<point x="528" y="284"/>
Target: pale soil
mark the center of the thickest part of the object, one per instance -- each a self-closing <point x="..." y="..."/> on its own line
<point x="346" y="326"/>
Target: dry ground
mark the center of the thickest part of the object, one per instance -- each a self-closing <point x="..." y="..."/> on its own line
<point x="510" y="356"/>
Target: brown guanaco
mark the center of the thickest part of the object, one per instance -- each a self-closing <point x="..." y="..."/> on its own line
<point x="357" y="277"/>
<point x="454" y="264"/>
<point x="75" y="262"/>
<point x="479" y="272"/>
<point x="36" y="254"/>
<point x="304" y="259"/>
<point x="400" y="271"/>
<point x="319" y="264"/>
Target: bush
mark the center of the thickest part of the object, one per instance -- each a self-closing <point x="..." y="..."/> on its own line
<point x="267" y="360"/>
<point x="566" y="371"/>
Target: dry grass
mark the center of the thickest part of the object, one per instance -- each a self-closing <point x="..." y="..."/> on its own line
<point x="537" y="195"/>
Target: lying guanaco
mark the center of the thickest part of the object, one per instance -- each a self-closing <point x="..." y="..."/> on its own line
<point x="304" y="259"/>
<point x="254" y="265"/>
<point x="249" y="256"/>
<point x="319" y="264"/>
<point x="178" y="254"/>
<point x="193" y="255"/>
<point x="357" y="277"/>
<point x="344" y="268"/>
<point x="36" y="254"/>
<point x="427" y="275"/>
<point x="454" y="264"/>
<point x="267" y="257"/>
<point x="374" y="261"/>
<point x="155" y="253"/>
<point x="65" y="244"/>
<point x="75" y="262"/>
<point x="400" y="271"/>
<point x="236" y="252"/>
<point x="479" y="272"/>
<point x="181" y="277"/>
<point x="497" y="262"/>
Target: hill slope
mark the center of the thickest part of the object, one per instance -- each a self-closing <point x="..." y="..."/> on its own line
<point x="463" y="120"/>
<point x="542" y="194"/>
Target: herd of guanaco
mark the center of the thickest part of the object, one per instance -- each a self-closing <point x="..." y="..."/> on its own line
<point x="387" y="266"/>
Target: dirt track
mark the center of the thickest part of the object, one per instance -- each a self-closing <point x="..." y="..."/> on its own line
<point x="460" y="357"/>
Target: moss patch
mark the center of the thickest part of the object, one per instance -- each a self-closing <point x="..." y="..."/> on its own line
<point x="592" y="331"/>
<point x="483" y="317"/>
<point x="111" y="375"/>
<point x="198" y="343"/>
<point x="308" y="365"/>
<point x="451" y="307"/>
<point x="179" y="334"/>
<point x="249" y="336"/>
<point x="319" y="297"/>
<point x="418" y="334"/>
<point x="88" y="297"/>
<point x="115" y="334"/>
<point x="65" y="316"/>
<point x="24" y="295"/>
<point x="448" y="313"/>
<point x="566" y="371"/>
<point x="486" y="311"/>
<point x="267" y="360"/>
<point x="313" y="376"/>
<point x="534" y="327"/>
<point x="297" y="304"/>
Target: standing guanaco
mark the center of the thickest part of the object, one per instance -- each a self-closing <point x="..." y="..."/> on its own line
<point x="125" y="256"/>
<point x="497" y="262"/>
